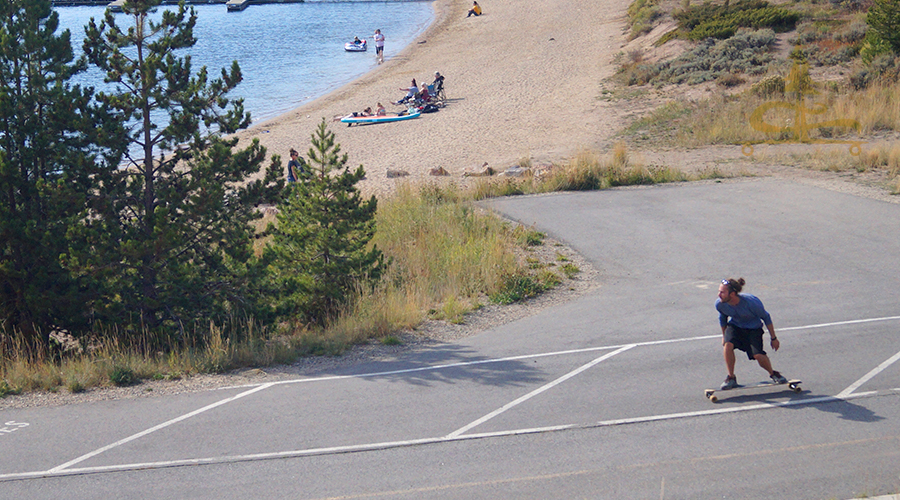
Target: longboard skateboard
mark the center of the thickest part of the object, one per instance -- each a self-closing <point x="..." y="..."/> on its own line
<point x="794" y="385"/>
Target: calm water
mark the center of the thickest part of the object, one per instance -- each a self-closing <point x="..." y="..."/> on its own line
<point x="289" y="53"/>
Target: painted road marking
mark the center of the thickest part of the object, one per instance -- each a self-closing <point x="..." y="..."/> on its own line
<point x="536" y="392"/>
<point x="12" y="426"/>
<point x="155" y="428"/>
<point x="457" y="435"/>
<point x="878" y="369"/>
<point x="541" y="355"/>
<point x="424" y="441"/>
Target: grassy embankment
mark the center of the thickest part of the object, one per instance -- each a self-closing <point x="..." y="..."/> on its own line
<point x="755" y="66"/>
<point x="447" y="256"/>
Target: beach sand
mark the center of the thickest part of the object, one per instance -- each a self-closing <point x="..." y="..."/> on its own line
<point x="523" y="82"/>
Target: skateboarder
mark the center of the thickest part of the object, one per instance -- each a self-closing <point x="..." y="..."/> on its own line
<point x="741" y="317"/>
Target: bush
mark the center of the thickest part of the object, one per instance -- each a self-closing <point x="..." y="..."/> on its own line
<point x="873" y="46"/>
<point x="729" y="80"/>
<point x="122" y="376"/>
<point x="723" y="21"/>
<point x="769" y="86"/>
<point x="746" y="52"/>
<point x="517" y="287"/>
<point x="884" y="19"/>
<point x="530" y="237"/>
<point x="641" y="16"/>
<point x="8" y="390"/>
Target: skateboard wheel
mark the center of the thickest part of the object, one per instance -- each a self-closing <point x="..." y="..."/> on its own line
<point x="795" y="388"/>
<point x="713" y="398"/>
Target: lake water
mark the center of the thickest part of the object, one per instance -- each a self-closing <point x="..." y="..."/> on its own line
<point x="289" y="53"/>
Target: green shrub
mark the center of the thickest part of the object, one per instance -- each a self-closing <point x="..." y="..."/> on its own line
<point x="8" y="390"/>
<point x="723" y="21"/>
<point x="530" y="237"/>
<point x="874" y="46"/>
<point x="517" y="287"/>
<point x="884" y="19"/>
<point x="641" y="16"/>
<point x="122" y="376"/>
<point x="746" y="52"/>
<point x="570" y="270"/>
<point x="391" y="340"/>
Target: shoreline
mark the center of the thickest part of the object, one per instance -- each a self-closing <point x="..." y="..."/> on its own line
<point x="299" y="110"/>
<point x="522" y="84"/>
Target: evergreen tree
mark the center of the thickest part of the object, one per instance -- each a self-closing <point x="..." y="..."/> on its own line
<point x="49" y="159"/>
<point x="320" y="254"/>
<point x="177" y="214"/>
<point x="884" y="19"/>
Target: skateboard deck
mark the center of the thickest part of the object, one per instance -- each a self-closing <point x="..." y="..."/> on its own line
<point x="793" y="385"/>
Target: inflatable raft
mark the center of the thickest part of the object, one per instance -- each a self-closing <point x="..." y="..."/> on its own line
<point x="356" y="47"/>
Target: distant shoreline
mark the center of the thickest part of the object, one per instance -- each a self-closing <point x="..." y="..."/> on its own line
<point x="93" y="3"/>
<point x="523" y="82"/>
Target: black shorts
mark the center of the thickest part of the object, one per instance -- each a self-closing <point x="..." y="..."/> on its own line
<point x="379" y="50"/>
<point x="749" y="341"/>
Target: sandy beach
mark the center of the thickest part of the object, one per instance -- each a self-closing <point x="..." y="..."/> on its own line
<point x="523" y="82"/>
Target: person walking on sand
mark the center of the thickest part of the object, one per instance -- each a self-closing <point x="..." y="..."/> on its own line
<point x="379" y="46"/>
<point x="741" y="317"/>
<point x="476" y="9"/>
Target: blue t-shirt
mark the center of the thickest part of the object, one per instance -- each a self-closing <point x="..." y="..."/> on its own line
<point x="749" y="313"/>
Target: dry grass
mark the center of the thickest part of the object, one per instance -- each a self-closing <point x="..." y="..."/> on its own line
<point x="446" y="257"/>
<point x="727" y="120"/>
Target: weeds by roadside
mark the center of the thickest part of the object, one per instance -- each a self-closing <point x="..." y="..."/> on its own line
<point x="446" y="257"/>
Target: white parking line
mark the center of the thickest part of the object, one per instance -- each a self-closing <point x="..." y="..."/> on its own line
<point x="424" y="441"/>
<point x="542" y="355"/>
<point x="63" y="468"/>
<point x="840" y="323"/>
<point x="536" y="392"/>
<point x="878" y="369"/>
<point x="155" y="428"/>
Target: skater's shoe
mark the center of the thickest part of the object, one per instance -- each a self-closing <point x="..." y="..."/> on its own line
<point x="729" y="383"/>
<point x="778" y="378"/>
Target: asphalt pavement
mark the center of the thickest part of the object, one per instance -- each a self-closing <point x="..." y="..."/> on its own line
<point x="601" y="397"/>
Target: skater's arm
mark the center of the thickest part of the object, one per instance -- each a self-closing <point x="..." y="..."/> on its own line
<point x="775" y="342"/>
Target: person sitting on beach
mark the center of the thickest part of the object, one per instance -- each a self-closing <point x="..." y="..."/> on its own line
<point x="423" y="94"/>
<point x="379" y="110"/>
<point x="438" y="79"/>
<point x="365" y="112"/>
<point x="476" y="9"/>
<point x="410" y="92"/>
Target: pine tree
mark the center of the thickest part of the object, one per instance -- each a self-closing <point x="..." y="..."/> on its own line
<point x="177" y="214"/>
<point x="320" y="255"/>
<point x="49" y="159"/>
<point x="884" y="19"/>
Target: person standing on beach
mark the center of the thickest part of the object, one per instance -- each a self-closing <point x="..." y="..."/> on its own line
<point x="294" y="167"/>
<point x="742" y="317"/>
<point x="379" y="46"/>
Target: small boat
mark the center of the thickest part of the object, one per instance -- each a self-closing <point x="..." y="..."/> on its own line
<point x="356" y="47"/>
<point x="391" y="117"/>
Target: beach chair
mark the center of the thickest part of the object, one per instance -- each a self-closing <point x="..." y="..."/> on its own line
<point x="438" y="95"/>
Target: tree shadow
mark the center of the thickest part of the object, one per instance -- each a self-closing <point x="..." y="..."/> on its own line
<point x="450" y="364"/>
